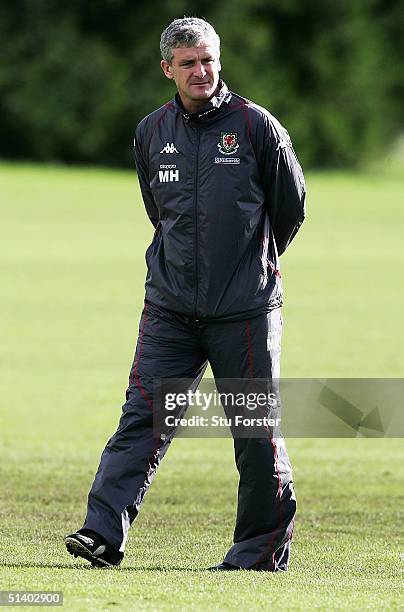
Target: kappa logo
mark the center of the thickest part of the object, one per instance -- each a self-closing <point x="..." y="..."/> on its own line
<point x="169" y="148"/>
<point x="273" y="341"/>
<point x="284" y="141"/>
<point x="228" y="143"/>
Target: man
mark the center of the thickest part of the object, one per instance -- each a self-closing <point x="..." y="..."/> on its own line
<point x="223" y="188"/>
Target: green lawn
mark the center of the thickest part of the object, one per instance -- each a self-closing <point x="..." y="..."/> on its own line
<point x="72" y="273"/>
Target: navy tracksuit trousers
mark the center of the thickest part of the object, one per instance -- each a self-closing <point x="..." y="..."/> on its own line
<point x="171" y="345"/>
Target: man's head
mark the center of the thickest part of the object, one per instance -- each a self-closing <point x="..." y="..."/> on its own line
<point x="190" y="49"/>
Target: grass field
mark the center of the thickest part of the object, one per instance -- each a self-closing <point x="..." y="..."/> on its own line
<point x="72" y="273"/>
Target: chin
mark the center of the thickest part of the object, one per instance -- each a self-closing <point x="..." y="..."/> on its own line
<point x="206" y="94"/>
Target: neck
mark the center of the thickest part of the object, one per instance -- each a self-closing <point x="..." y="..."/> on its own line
<point x="193" y="106"/>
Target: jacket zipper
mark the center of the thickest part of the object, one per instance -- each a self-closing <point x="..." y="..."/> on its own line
<point x="196" y="183"/>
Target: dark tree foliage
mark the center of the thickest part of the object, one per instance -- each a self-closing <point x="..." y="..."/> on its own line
<point x="76" y="77"/>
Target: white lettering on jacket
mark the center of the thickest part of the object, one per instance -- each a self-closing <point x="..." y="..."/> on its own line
<point x="168" y="176"/>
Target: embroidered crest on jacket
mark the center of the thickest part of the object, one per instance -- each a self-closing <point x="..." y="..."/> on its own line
<point x="228" y="143"/>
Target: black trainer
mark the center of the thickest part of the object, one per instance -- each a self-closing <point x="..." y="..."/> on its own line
<point x="93" y="547"/>
<point x="224" y="567"/>
<point x="227" y="567"/>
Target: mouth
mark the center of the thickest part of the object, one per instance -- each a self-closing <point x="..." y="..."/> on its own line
<point x="203" y="83"/>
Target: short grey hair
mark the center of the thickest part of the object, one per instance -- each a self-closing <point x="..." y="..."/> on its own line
<point x="187" y="32"/>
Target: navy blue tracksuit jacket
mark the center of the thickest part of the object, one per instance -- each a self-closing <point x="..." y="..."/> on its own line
<point x="226" y="194"/>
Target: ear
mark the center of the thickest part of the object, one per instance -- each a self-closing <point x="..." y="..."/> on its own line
<point x="219" y="64"/>
<point x="167" y="69"/>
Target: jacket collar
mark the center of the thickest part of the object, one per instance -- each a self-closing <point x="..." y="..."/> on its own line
<point x="221" y="99"/>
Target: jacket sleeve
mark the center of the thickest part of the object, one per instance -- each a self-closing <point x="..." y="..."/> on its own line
<point x="143" y="176"/>
<point x="284" y="185"/>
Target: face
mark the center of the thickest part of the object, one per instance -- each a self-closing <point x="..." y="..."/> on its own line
<point x="195" y="71"/>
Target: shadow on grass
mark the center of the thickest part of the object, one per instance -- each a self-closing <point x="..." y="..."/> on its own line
<point x="156" y="568"/>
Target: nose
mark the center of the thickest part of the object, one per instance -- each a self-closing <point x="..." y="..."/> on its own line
<point x="199" y="71"/>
